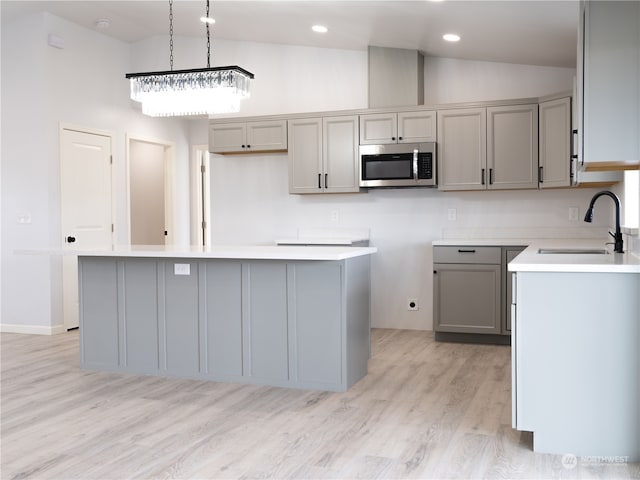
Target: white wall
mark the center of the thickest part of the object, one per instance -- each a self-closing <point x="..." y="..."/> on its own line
<point x="82" y="85"/>
<point x="449" y="80"/>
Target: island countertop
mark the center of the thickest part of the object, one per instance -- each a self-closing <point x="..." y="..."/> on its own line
<point x="240" y="252"/>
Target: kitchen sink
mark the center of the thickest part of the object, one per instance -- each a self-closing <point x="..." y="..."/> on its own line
<point x="574" y="251"/>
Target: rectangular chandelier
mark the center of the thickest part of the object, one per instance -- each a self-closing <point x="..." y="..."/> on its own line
<point x="199" y="91"/>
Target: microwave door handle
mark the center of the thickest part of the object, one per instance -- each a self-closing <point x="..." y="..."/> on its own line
<point x="415" y="164"/>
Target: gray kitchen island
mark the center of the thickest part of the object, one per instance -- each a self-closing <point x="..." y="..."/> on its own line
<point x="287" y="316"/>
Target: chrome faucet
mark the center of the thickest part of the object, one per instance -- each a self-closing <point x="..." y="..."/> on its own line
<point x="617" y="237"/>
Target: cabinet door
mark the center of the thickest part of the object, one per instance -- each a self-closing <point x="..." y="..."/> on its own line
<point x="611" y="81"/>
<point x="415" y="127"/>
<point x="462" y="149"/>
<point x="340" y="154"/>
<point x="305" y="156"/>
<point x="227" y="137"/>
<point x="555" y="143"/>
<point x="512" y="147"/>
<point x="267" y="136"/>
<point x="467" y="298"/>
<point x="378" y="128"/>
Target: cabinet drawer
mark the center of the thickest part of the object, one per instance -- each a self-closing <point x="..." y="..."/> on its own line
<point x="467" y="254"/>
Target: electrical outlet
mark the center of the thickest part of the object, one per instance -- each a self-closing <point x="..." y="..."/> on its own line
<point x="574" y="213"/>
<point x="452" y="214"/>
<point x="412" y="304"/>
<point x="335" y="216"/>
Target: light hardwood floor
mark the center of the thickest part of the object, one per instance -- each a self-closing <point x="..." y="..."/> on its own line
<point x="425" y="410"/>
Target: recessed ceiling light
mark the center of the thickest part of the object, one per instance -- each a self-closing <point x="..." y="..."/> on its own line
<point x="102" y="23"/>
<point x="207" y="20"/>
<point x="451" y="37"/>
<point x="320" y="29"/>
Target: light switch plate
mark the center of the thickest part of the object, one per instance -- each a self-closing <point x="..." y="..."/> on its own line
<point x="181" y="269"/>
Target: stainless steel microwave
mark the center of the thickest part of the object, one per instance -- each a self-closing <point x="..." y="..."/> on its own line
<point x="398" y="165"/>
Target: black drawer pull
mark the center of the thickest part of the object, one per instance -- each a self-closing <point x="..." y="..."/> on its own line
<point x="466" y="251"/>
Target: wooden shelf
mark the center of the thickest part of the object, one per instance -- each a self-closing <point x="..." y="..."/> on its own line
<point x="611" y="166"/>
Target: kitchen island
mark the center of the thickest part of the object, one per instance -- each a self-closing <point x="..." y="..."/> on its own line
<point x="289" y="316"/>
<point x="576" y="350"/>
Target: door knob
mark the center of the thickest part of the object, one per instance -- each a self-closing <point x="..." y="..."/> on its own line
<point x="71" y="239"/>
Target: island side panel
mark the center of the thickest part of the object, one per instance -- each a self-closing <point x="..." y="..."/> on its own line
<point x="139" y="301"/>
<point x="98" y="295"/>
<point x="264" y="320"/>
<point x="316" y="294"/>
<point x="222" y="295"/>
<point x="181" y="314"/>
<point x="578" y="362"/>
<point x="357" y="343"/>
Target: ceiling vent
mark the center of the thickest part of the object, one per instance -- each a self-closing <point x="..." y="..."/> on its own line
<point x="396" y="77"/>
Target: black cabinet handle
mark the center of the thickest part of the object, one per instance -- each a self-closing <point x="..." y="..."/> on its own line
<point x="71" y="239"/>
<point x="244" y="146"/>
<point x="326" y="180"/>
<point x="435" y="271"/>
<point x="393" y="138"/>
<point x="491" y="176"/>
<point x="482" y="176"/>
<point x="248" y="146"/>
<point x="399" y="138"/>
<point x="319" y="180"/>
<point x="540" y="174"/>
<point x="460" y="250"/>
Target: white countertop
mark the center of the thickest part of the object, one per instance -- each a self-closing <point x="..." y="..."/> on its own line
<point x="240" y="252"/>
<point x="532" y="261"/>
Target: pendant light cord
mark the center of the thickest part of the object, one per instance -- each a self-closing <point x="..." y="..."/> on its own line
<point x="208" y="40"/>
<point x="171" y="34"/>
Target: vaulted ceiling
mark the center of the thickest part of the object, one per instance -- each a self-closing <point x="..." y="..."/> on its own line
<point x="535" y="32"/>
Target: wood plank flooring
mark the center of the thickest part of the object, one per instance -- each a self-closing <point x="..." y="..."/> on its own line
<point x="425" y="410"/>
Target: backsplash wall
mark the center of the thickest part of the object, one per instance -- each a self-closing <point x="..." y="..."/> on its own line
<point x="251" y="204"/>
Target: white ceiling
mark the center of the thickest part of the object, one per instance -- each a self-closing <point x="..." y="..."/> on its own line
<point x="534" y="32"/>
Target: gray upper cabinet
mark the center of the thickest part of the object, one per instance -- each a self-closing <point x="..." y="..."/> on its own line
<point x="512" y="147"/>
<point x="608" y="84"/>
<point x="248" y="137"/>
<point x="462" y="149"/>
<point x="305" y="155"/>
<point x="323" y="155"/>
<point x="403" y="127"/>
<point x="493" y="148"/>
<point x="555" y="143"/>
<point x="340" y="154"/>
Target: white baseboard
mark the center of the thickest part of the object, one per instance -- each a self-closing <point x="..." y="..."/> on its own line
<point x="32" y="329"/>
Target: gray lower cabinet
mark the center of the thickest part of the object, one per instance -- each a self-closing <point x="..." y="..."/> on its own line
<point x="471" y="294"/>
<point x="299" y="324"/>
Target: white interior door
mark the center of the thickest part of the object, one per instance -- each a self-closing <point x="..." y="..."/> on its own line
<point x="86" y="206"/>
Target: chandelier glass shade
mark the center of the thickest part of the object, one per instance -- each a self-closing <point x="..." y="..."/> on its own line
<point x="201" y="91"/>
<point x="198" y="91"/>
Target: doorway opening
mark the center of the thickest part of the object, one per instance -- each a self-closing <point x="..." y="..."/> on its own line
<point x="150" y="191"/>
